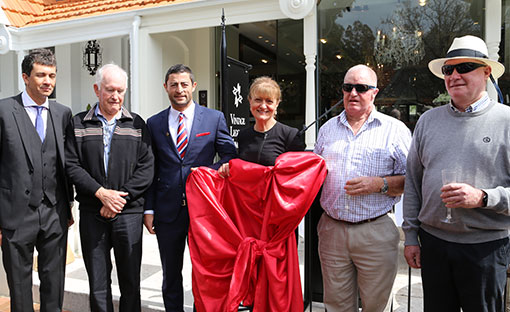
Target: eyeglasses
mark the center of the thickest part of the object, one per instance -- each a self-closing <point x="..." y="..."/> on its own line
<point x="461" y="68"/>
<point x="360" y="88"/>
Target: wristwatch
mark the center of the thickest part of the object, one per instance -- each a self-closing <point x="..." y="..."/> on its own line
<point x="485" y="198"/>
<point x="384" y="188"/>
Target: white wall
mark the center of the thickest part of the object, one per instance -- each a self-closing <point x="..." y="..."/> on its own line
<point x="74" y="83"/>
<point x="194" y="48"/>
<point x="9" y="73"/>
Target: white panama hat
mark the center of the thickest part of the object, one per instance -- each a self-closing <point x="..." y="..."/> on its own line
<point x="470" y="47"/>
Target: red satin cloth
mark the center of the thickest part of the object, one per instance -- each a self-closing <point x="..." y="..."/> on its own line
<point x="241" y="235"/>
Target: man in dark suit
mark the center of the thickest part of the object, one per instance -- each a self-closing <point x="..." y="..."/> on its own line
<point x="34" y="194"/>
<point x="184" y="136"/>
<point x="110" y="162"/>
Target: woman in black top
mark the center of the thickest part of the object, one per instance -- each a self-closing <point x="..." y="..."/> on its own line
<point x="268" y="138"/>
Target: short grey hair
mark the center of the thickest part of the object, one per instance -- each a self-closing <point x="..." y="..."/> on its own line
<point x="109" y="66"/>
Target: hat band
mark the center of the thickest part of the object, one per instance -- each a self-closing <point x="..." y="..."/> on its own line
<point x="466" y="53"/>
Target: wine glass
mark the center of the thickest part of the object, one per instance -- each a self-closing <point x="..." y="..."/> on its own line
<point x="448" y="176"/>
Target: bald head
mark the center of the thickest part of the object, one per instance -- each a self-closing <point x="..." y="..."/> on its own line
<point x="362" y="70"/>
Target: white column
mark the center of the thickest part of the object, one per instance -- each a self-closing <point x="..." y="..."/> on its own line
<point x="493" y="35"/>
<point x="134" y="38"/>
<point x="21" y="84"/>
<point x="310" y="51"/>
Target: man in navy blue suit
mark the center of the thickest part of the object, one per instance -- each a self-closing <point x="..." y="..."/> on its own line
<point x="184" y="136"/>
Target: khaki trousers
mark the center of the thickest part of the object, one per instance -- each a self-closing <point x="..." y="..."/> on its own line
<point x="356" y="257"/>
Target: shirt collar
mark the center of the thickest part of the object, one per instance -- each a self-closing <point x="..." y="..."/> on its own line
<point x="27" y="101"/>
<point x="188" y="112"/>
<point x="97" y="112"/>
<point x="374" y="115"/>
<point x="476" y="106"/>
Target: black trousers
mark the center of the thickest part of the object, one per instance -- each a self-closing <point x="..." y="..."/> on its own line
<point x="98" y="237"/>
<point x="44" y="228"/>
<point x="172" y="242"/>
<point x="467" y="276"/>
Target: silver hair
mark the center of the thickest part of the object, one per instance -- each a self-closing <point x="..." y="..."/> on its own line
<point x="109" y="66"/>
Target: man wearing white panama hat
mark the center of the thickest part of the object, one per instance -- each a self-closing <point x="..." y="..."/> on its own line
<point x="463" y="258"/>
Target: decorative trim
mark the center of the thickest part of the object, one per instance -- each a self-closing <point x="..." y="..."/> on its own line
<point x="296" y="9"/>
<point x="5" y="39"/>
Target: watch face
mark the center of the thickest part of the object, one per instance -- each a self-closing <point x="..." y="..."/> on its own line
<point x="384" y="189"/>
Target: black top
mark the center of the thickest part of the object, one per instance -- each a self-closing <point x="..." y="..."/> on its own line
<point x="264" y="147"/>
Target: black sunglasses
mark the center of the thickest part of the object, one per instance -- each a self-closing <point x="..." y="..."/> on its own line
<point x="461" y="68"/>
<point x="360" y="88"/>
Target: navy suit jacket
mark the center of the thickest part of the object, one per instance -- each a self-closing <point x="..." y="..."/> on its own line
<point x="209" y="136"/>
<point x="16" y="164"/>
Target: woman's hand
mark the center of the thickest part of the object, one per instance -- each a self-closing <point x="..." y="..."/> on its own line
<point x="224" y="171"/>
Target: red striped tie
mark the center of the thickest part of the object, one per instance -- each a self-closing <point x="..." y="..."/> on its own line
<point x="182" y="137"/>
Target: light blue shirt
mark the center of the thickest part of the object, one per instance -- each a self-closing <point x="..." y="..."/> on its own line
<point x="30" y="108"/>
<point x="482" y="103"/>
<point x="378" y="149"/>
<point x="108" y="129"/>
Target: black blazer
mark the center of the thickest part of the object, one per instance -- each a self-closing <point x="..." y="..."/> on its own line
<point x="16" y="165"/>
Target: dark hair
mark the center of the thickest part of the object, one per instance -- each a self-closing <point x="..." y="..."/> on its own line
<point x="179" y="68"/>
<point x="38" y="56"/>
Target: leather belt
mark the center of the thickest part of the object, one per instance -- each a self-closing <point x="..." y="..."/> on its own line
<point x="364" y="221"/>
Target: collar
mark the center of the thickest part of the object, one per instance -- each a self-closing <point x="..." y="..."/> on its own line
<point x="124" y="113"/>
<point x="476" y="106"/>
<point x="374" y="116"/>
<point x="27" y="101"/>
<point x="188" y="112"/>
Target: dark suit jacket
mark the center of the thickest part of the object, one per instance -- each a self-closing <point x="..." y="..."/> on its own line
<point x="16" y="166"/>
<point x="209" y="135"/>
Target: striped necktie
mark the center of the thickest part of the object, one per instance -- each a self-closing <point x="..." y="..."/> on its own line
<point x="182" y="137"/>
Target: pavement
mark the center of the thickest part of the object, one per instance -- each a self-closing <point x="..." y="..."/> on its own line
<point x="76" y="287"/>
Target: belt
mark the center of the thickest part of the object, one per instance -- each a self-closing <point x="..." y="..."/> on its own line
<point x="363" y="221"/>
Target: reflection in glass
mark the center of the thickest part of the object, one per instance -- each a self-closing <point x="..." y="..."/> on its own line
<point x="397" y="39"/>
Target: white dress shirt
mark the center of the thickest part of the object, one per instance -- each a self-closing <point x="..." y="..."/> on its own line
<point x="31" y="110"/>
<point x="173" y="120"/>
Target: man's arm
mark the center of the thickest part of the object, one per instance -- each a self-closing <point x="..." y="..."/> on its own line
<point x="143" y="173"/>
<point x="224" y="144"/>
<point x="369" y="185"/>
<point x="111" y="199"/>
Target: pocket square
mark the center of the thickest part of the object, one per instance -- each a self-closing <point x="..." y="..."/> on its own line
<point x="203" y="133"/>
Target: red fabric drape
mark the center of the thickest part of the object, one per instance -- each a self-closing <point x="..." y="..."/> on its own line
<point x="241" y="235"/>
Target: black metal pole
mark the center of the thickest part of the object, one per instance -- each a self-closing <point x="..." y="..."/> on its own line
<point x="320" y="117"/>
<point x="223" y="65"/>
<point x="409" y="292"/>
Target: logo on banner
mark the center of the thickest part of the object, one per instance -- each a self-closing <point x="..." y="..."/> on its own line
<point x="237" y="94"/>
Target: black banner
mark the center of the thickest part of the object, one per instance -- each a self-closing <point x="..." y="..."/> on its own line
<point x="237" y="108"/>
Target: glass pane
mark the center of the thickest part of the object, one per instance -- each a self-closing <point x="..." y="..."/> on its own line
<point x="397" y="39"/>
<point x="504" y="50"/>
<point x="275" y="49"/>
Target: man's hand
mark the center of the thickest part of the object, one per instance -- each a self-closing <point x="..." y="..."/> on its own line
<point x="107" y="213"/>
<point x="412" y="254"/>
<point x="148" y="221"/>
<point x="461" y="195"/>
<point x="363" y="185"/>
<point x="112" y="200"/>
<point x="0" y="237"/>
<point x="224" y="170"/>
<point x="70" y="221"/>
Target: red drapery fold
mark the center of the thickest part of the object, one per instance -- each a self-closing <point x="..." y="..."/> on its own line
<point x="241" y="235"/>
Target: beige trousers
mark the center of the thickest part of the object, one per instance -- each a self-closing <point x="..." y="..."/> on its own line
<point x="360" y="257"/>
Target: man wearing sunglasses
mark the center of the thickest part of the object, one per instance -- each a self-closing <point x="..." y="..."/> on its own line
<point x="463" y="259"/>
<point x="365" y="153"/>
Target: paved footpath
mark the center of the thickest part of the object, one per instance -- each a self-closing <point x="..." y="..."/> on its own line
<point x="76" y="296"/>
